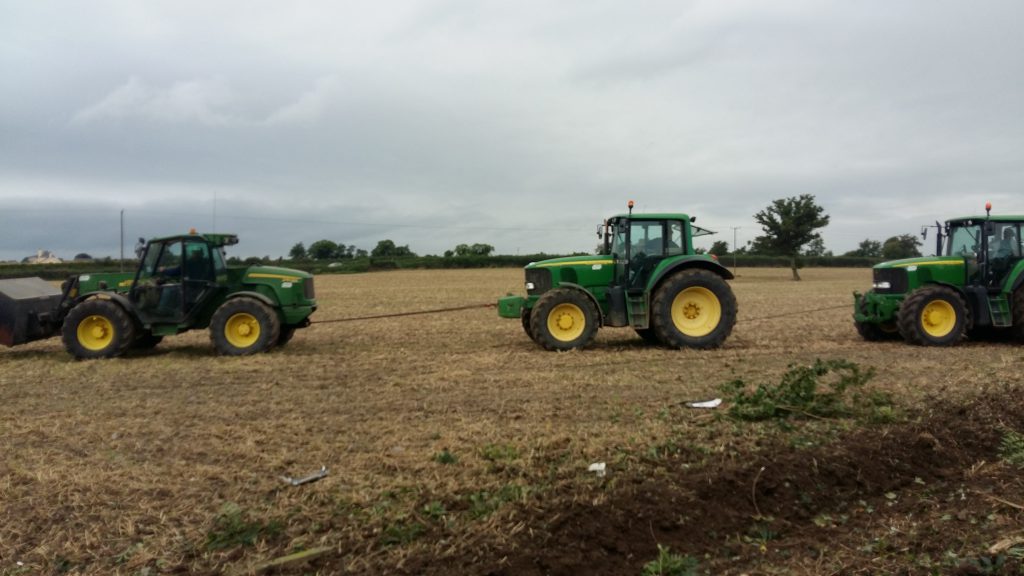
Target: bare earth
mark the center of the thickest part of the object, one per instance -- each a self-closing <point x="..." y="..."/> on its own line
<point x="456" y="445"/>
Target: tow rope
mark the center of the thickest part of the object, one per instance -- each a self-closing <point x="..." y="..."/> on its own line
<point x="476" y="306"/>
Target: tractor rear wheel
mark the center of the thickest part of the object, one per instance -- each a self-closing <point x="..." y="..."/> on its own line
<point x="875" y="332"/>
<point x="243" y="326"/>
<point x="648" y="336"/>
<point x="933" y="316"/>
<point x="693" y="309"/>
<point x="1017" y="314"/>
<point x="97" y="329"/>
<point x="563" y="319"/>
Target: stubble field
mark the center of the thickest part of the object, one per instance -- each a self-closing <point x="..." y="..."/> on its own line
<point x="456" y="445"/>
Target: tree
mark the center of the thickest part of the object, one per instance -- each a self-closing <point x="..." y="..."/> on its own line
<point x="867" y="249"/>
<point x="322" y="250"/>
<point x="387" y="249"/>
<point x="719" y="248"/>
<point x="816" y="247"/>
<point x="474" y="250"/>
<point x="298" y="252"/>
<point x="902" y="246"/>
<point x="789" y="224"/>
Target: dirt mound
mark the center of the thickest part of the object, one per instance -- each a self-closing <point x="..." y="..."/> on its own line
<point x="879" y="498"/>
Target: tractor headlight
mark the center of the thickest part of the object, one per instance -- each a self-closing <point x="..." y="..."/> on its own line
<point x="530" y="286"/>
<point x="882" y="285"/>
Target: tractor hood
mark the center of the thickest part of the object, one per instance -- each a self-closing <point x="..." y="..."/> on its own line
<point x="275" y="273"/>
<point x="922" y="262"/>
<point x="595" y="261"/>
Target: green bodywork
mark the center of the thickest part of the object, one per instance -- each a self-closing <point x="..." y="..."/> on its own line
<point x="289" y="292"/>
<point x="970" y="264"/>
<point x="669" y="238"/>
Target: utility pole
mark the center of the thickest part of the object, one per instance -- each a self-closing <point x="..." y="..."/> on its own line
<point x="122" y="240"/>
<point x="734" y="229"/>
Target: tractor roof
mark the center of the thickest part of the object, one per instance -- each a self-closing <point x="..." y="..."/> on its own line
<point x="1000" y="218"/>
<point x="695" y="230"/>
<point x="217" y="240"/>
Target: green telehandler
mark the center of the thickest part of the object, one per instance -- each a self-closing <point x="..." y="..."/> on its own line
<point x="974" y="283"/>
<point x="648" y="277"/>
<point x="182" y="283"/>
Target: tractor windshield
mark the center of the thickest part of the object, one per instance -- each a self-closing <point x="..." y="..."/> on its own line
<point x="964" y="240"/>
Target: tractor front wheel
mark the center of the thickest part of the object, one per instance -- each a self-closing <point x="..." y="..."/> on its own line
<point x="563" y="319"/>
<point x="97" y="329"/>
<point x="243" y="326"/>
<point x="525" y="319"/>
<point x="933" y="316"/>
<point x="693" y="309"/>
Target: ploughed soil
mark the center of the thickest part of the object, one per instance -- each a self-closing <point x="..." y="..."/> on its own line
<point x="927" y="495"/>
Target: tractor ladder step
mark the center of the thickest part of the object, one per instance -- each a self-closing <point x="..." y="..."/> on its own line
<point x="637" y="307"/>
<point x="999" y="308"/>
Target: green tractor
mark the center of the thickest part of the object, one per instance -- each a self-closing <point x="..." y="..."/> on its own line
<point x="648" y="277"/>
<point x="974" y="284"/>
<point x="182" y="283"/>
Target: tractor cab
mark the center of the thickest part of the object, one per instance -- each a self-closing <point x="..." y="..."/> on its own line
<point x="991" y="248"/>
<point x="638" y="244"/>
<point x="177" y="275"/>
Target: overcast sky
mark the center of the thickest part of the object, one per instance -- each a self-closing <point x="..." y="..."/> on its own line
<point x="519" y="124"/>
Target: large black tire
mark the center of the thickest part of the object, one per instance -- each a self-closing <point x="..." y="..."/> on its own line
<point x="243" y="326"/>
<point x="875" y="332"/>
<point x="285" y="335"/>
<point x="648" y="335"/>
<point x="1017" y="314"/>
<point x="97" y="328"/>
<point x="933" y="316"/>
<point x="564" y="319"/>
<point x="525" y="319"/>
<point x="146" y="341"/>
<point x="693" y="309"/>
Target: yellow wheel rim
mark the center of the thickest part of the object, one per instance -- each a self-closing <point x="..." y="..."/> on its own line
<point x="95" y="332"/>
<point x="566" y="322"/>
<point x="242" y="330"/>
<point x="696" y="311"/>
<point x="938" y="318"/>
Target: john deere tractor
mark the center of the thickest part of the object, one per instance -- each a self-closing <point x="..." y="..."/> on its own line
<point x="647" y="277"/>
<point x="182" y="283"/>
<point x="975" y="283"/>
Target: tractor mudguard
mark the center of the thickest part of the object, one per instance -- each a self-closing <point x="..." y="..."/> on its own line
<point x="261" y="297"/>
<point x="690" y="262"/>
<point x="593" y="299"/>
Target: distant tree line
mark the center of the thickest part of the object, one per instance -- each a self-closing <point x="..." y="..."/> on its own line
<point x="329" y="250"/>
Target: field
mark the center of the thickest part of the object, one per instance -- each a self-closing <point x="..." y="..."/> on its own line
<point x="455" y="445"/>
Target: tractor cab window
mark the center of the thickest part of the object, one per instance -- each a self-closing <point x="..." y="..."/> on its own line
<point x="648" y="238"/>
<point x="964" y="241"/>
<point x="676" y="244"/>
<point x="1004" y="250"/>
<point x="220" y="269"/>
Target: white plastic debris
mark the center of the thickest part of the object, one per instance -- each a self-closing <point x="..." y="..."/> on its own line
<point x="322" y="472"/>
<point x="597" y="468"/>
<point x="714" y="403"/>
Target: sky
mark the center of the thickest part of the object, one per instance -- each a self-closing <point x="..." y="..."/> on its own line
<point x="517" y="124"/>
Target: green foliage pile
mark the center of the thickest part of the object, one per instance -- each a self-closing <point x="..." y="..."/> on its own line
<point x="1012" y="448"/>
<point x="826" y="389"/>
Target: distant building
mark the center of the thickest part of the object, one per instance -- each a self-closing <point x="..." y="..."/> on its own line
<point x="42" y="257"/>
